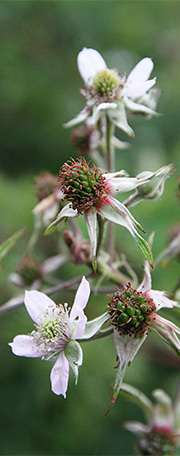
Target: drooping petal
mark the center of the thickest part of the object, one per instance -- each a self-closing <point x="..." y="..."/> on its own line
<point x="89" y="62"/>
<point x="37" y="304"/>
<point x="93" y="326"/>
<point x="60" y="375"/>
<point x="24" y="345"/>
<point x="66" y="211"/>
<point x="141" y="71"/>
<point x="74" y="355"/>
<point x="91" y="223"/>
<point x="139" y="107"/>
<point x="81" y="117"/>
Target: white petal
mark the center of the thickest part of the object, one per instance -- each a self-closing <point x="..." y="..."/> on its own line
<point x="81" y="117"/>
<point x="81" y="298"/>
<point x="89" y="62"/>
<point x="137" y="107"/>
<point x="141" y="71"/>
<point x="24" y="345"/>
<point x="160" y="299"/>
<point x="138" y="90"/>
<point x="37" y="304"/>
<point x="60" y="375"/>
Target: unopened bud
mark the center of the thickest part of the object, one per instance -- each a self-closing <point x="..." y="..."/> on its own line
<point x="45" y="185"/>
<point x="80" y="250"/>
<point x="85" y="139"/>
<point x="29" y="270"/>
<point x="154" y="188"/>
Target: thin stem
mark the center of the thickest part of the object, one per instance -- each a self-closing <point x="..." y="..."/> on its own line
<point x="109" y="152"/>
<point x="19" y="300"/>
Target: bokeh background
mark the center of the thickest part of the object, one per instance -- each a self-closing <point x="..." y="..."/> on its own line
<point x="39" y="43"/>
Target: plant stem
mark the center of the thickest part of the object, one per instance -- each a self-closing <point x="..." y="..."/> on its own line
<point x="109" y="152"/>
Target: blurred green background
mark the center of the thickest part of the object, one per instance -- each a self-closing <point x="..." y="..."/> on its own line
<point x="39" y="43"/>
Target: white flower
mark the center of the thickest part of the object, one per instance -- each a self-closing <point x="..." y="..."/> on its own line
<point x="56" y="332"/>
<point x="108" y="91"/>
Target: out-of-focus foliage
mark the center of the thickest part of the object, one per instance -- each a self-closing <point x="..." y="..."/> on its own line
<point x="39" y="92"/>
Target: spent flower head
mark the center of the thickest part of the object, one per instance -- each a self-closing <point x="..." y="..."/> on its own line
<point x="107" y="90"/>
<point x="89" y="192"/>
<point x="133" y="313"/>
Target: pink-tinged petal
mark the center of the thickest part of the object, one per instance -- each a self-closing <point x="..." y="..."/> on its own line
<point x="60" y="375"/>
<point x="160" y="299"/>
<point x="138" y="90"/>
<point x="146" y="282"/>
<point x="24" y="345"/>
<point x="81" y="299"/>
<point x="37" y="304"/>
<point x="80" y="325"/>
<point x="89" y="62"/>
<point x="141" y="71"/>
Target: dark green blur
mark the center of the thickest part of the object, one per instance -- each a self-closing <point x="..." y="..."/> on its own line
<point x="39" y="43"/>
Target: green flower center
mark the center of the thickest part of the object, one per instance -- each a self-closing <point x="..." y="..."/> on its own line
<point x="105" y="81"/>
<point x="53" y="332"/>
<point x="130" y="310"/>
<point x="81" y="184"/>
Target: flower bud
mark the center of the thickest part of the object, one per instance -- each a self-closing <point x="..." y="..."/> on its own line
<point x="29" y="270"/>
<point x="80" y="250"/>
<point x="45" y="185"/>
<point x="154" y="188"/>
<point x="85" y="139"/>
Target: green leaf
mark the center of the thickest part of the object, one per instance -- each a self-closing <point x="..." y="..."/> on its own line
<point x="10" y="242"/>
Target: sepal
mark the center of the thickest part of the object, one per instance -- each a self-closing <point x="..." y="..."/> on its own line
<point x="74" y="355"/>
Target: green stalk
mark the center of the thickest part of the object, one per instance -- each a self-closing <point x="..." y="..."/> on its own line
<point x="109" y="152"/>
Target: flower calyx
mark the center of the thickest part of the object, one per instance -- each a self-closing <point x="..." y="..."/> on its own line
<point x="130" y="311"/>
<point x="81" y="184"/>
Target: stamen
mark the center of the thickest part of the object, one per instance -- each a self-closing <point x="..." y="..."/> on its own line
<point x="54" y="331"/>
<point x="105" y="81"/>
